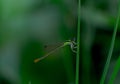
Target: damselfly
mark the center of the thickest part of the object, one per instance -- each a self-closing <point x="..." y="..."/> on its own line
<point x="72" y="44"/>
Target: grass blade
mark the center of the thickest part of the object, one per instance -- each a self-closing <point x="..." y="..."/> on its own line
<point x="111" y="50"/>
<point x="78" y="44"/>
<point x="115" y="71"/>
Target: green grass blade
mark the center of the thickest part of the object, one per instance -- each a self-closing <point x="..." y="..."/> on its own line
<point x="115" y="71"/>
<point x="110" y="51"/>
<point x="78" y="44"/>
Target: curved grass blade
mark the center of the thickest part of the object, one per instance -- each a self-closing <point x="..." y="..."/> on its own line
<point x="78" y="44"/>
<point x="115" y="71"/>
<point x="111" y="50"/>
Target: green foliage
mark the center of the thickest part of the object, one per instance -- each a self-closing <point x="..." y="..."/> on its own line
<point x="111" y="50"/>
<point x="115" y="71"/>
<point x="78" y="44"/>
<point x="30" y="29"/>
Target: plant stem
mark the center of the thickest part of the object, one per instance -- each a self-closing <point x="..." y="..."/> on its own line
<point x="111" y="50"/>
<point x="78" y="44"/>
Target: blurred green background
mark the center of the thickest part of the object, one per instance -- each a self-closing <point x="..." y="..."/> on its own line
<point x="28" y="26"/>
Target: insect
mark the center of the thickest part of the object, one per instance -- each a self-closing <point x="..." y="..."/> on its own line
<point x="72" y="44"/>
